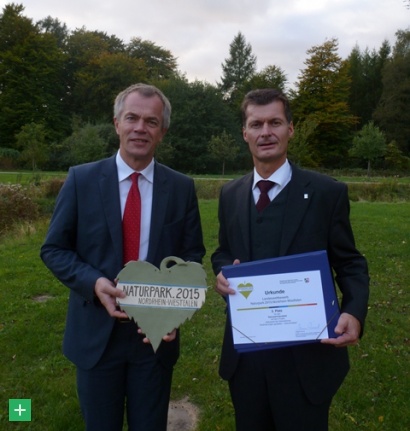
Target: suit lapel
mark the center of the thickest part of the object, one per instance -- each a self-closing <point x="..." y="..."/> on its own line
<point x="299" y="198"/>
<point x="243" y="203"/>
<point x="110" y="196"/>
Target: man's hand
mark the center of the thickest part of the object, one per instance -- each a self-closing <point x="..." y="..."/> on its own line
<point x="349" y="329"/>
<point x="167" y="338"/>
<point x="222" y="284"/>
<point x="107" y="293"/>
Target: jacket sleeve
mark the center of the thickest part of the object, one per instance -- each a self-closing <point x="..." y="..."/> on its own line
<point x="349" y="265"/>
<point x="59" y="251"/>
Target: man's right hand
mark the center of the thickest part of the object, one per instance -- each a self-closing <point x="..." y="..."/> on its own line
<point x="107" y="293"/>
<point x="222" y="284"/>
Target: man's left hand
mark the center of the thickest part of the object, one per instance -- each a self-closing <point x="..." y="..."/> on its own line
<point x="349" y="329"/>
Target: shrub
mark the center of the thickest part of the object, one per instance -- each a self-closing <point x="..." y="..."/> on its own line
<point x="208" y="189"/>
<point x="390" y="191"/>
<point x="8" y="158"/>
<point x="16" y="206"/>
<point x="51" y="188"/>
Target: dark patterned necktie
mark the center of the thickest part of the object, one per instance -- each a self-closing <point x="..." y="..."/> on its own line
<point x="131" y="222"/>
<point x="264" y="187"/>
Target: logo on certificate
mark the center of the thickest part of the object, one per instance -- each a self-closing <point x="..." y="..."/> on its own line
<point x="245" y="289"/>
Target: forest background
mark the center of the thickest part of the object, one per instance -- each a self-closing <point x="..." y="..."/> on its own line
<point x="57" y="88"/>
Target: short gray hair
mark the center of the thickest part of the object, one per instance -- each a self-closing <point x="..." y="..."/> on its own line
<point x="146" y="91"/>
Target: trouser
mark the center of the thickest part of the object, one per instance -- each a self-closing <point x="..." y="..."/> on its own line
<point x="267" y="395"/>
<point x="127" y="376"/>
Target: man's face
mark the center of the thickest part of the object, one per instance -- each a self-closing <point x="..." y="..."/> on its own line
<point x="267" y="133"/>
<point x="139" y="128"/>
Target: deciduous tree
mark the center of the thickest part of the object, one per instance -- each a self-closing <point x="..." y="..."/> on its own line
<point x="270" y="77"/>
<point x="198" y="113"/>
<point x="300" y="151"/>
<point x="322" y="95"/>
<point x="224" y="148"/>
<point x="369" y="144"/>
<point x="31" y="140"/>
<point x="31" y="77"/>
<point x="159" y="62"/>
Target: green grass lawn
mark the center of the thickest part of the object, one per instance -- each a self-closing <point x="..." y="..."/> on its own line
<point x="375" y="395"/>
<point x="26" y="177"/>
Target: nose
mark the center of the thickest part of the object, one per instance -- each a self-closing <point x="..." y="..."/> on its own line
<point x="266" y="129"/>
<point x="139" y="125"/>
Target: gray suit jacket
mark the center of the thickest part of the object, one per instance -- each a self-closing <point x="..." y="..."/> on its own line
<point x="316" y="218"/>
<point x="84" y="242"/>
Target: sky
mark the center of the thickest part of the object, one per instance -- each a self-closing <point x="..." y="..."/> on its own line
<point x="198" y="32"/>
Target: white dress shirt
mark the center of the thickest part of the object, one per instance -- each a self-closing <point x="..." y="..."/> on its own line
<point x="281" y="178"/>
<point x="145" y="185"/>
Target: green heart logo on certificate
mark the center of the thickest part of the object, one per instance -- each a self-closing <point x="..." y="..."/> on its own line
<point x="245" y="289"/>
<point x="161" y="299"/>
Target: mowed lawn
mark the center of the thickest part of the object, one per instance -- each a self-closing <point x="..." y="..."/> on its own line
<point x="375" y="395"/>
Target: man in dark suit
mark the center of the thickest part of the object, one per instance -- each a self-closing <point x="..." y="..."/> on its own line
<point x="287" y="388"/>
<point x="116" y="365"/>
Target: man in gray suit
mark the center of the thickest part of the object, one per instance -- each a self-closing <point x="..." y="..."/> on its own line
<point x="116" y="366"/>
<point x="287" y="389"/>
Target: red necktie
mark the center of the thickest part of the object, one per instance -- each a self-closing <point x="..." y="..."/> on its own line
<point x="131" y="222"/>
<point x="264" y="187"/>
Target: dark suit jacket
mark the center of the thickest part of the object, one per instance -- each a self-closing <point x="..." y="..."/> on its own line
<point x="84" y="242"/>
<point x="318" y="222"/>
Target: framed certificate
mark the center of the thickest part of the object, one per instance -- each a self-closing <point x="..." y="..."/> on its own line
<point x="280" y="302"/>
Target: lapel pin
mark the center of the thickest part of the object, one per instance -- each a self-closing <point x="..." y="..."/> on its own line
<point x="305" y="196"/>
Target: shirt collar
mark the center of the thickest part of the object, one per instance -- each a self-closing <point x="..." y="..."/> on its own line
<point x="280" y="176"/>
<point x="124" y="171"/>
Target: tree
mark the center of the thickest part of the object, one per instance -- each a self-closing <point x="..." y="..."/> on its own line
<point x="159" y="62"/>
<point x="369" y="144"/>
<point x="85" y="50"/>
<point x="224" y="148"/>
<point x="85" y="145"/>
<point x="322" y="95"/>
<point x="395" y="159"/>
<point x="365" y="70"/>
<point x="31" y="77"/>
<point x="269" y="77"/>
<point x="101" y="80"/>
<point x="58" y="29"/>
<point x="392" y="113"/>
<point x="238" y="68"/>
<point x="32" y="142"/>
<point x="14" y="28"/>
<point x="198" y="113"/>
<point x="300" y="151"/>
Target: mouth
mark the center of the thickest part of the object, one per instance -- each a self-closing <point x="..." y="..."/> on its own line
<point x="139" y="141"/>
<point x="266" y="144"/>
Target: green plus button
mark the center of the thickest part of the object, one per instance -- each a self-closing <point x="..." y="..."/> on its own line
<point x="20" y="410"/>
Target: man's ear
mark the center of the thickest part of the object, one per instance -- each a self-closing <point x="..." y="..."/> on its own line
<point x="291" y="130"/>
<point x="116" y="125"/>
<point x="245" y="138"/>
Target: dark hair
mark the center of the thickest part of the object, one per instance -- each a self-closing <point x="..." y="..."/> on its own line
<point x="264" y="97"/>
<point x="146" y="91"/>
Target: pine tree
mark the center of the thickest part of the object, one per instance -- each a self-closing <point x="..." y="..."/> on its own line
<point x="238" y="68"/>
<point x="393" y="114"/>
